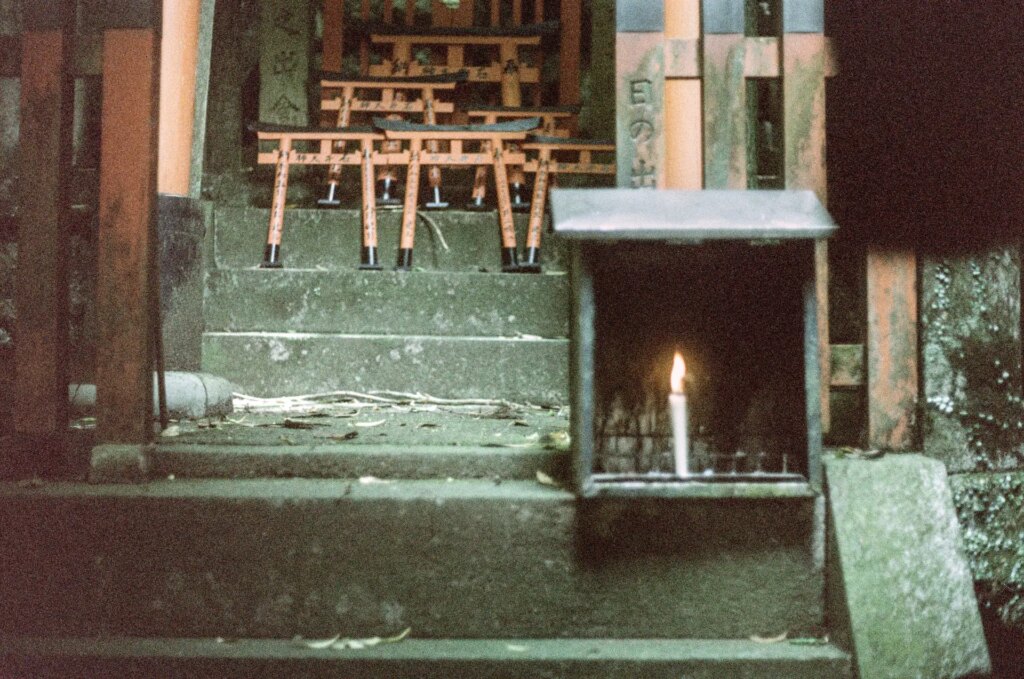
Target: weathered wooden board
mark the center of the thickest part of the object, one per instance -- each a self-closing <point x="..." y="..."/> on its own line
<point x="847" y="365"/>
<point x="804" y="62"/>
<point x="892" y="348"/>
<point x="640" y="103"/>
<point x="127" y="279"/>
<point x="41" y="411"/>
<point x="334" y="27"/>
<point x="571" y="24"/>
<point x="725" y="112"/>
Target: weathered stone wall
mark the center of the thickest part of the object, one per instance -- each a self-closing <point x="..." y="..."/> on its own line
<point x="991" y="511"/>
<point x="971" y="359"/>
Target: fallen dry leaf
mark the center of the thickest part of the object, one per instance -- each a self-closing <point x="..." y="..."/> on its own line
<point x="322" y="643"/>
<point x="298" y="424"/>
<point x="34" y="482"/>
<point x="769" y="640"/>
<point x="546" y="480"/>
<point x="343" y="437"/>
<point x="336" y="643"/>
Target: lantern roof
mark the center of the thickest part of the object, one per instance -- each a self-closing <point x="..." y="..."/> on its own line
<point x="688" y="216"/>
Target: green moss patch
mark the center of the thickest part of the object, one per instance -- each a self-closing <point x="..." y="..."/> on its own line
<point x="991" y="511"/>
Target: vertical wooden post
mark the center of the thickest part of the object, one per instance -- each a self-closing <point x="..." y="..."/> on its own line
<point x="804" y="66"/>
<point x="725" y="110"/>
<point x="334" y="26"/>
<point x="683" y="118"/>
<point x="892" y="348"/>
<point x="570" y="22"/>
<point x="364" y="45"/>
<point x="178" y="61"/>
<point x="126" y="286"/>
<point x="41" y="411"/>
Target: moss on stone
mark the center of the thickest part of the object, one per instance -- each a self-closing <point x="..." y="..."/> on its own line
<point x="991" y="511"/>
<point x="974" y="413"/>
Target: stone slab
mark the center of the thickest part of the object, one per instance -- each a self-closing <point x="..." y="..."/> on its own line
<point x="903" y="596"/>
<point x="285" y="44"/>
<point x="462" y="559"/>
<point x="282" y="364"/>
<point x="426" y="659"/>
<point x="971" y="348"/>
<point x="200" y="461"/>
<point x="330" y="239"/>
<point x="387" y="302"/>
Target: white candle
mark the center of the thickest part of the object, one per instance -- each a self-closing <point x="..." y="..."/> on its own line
<point x="680" y="425"/>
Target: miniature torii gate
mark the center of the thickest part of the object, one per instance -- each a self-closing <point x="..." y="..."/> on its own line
<point x="347" y="96"/>
<point x="443" y="14"/>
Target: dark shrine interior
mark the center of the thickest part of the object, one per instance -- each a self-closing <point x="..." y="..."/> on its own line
<point x="735" y="312"/>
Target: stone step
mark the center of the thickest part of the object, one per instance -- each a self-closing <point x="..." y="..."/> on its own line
<point x="387" y="303"/>
<point x="331" y="239"/>
<point x="279" y="364"/>
<point x="462" y="559"/>
<point x="425" y="659"/>
<point x="199" y="461"/>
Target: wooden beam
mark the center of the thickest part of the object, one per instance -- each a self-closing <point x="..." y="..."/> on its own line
<point x="47" y="101"/>
<point x="334" y="26"/>
<point x="847" y="365"/>
<point x="570" y="24"/>
<point x="127" y="279"/>
<point x="892" y="349"/>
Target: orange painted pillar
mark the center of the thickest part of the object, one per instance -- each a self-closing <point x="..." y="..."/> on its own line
<point x="571" y="23"/>
<point x="41" y="351"/>
<point x="334" y="26"/>
<point x="178" y="60"/>
<point x="684" y="158"/>
<point x="126" y="286"/>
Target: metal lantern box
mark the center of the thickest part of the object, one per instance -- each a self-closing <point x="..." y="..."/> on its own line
<point x="721" y="285"/>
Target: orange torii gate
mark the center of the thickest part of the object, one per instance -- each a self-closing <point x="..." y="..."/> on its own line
<point x="492" y="151"/>
<point x="556" y="121"/>
<point x="574" y="156"/>
<point x="390" y="95"/>
<point x="332" y="144"/>
<point x="569" y="18"/>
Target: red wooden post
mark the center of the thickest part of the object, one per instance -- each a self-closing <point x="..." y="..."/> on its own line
<point x="570" y="22"/>
<point x="805" y="67"/>
<point x="128" y="277"/>
<point x="334" y="24"/>
<point x="41" y="410"/>
<point x="892" y="349"/>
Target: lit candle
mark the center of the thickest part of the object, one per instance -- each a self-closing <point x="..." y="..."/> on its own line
<point x="680" y="426"/>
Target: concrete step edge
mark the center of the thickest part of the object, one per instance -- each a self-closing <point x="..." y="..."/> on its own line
<point x="292" y="490"/>
<point x="343" y="336"/>
<point x="588" y="650"/>
<point x="410" y="275"/>
<point x="339" y="461"/>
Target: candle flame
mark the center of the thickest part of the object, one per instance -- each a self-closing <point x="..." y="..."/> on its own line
<point x="678" y="373"/>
